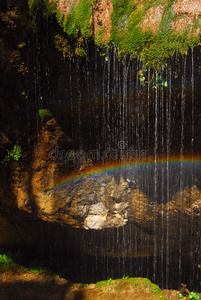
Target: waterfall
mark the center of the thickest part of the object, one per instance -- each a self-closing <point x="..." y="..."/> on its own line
<point x="100" y="138"/>
<point x="140" y="127"/>
<point x="124" y="141"/>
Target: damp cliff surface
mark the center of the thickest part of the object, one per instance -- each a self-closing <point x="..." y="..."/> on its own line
<point x="106" y="107"/>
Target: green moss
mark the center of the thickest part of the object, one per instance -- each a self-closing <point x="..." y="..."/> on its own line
<point x="134" y="284"/>
<point x="105" y="283"/>
<point x="102" y="283"/>
<point x="15" y="154"/>
<point x="79" y="18"/>
<point x="193" y="296"/>
<point x="41" y="8"/>
<point x="157" y="291"/>
<point x="167" y="42"/>
<point x="121" y="11"/>
<point x="7" y="263"/>
<point x="60" y="17"/>
<point x="126" y="32"/>
<point x="99" y="38"/>
<point x="44" y="114"/>
<point x="154" y="49"/>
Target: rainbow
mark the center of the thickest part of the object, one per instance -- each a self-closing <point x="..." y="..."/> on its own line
<point x="114" y="167"/>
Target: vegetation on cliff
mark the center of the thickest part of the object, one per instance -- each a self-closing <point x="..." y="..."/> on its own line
<point x="151" y="29"/>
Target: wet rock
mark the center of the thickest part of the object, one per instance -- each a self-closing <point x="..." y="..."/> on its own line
<point x="171" y="294"/>
<point x="95" y="222"/>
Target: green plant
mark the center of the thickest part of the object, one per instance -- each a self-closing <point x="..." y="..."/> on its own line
<point x="6" y="263"/>
<point x="71" y="154"/>
<point x="14" y="154"/>
<point x="44" y="114"/>
<point x="80" y="52"/>
<point x="15" y="260"/>
<point x="155" y="82"/>
<point x="159" y="82"/>
<point x="122" y="284"/>
<point x="194" y="296"/>
<point x="141" y="77"/>
<point x="79" y="18"/>
<point x="99" y="37"/>
<point x="155" y="289"/>
<point x="23" y="93"/>
<point x="102" y="283"/>
<point x="61" y="44"/>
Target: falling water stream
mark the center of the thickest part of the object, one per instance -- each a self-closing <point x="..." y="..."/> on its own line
<point x="117" y="111"/>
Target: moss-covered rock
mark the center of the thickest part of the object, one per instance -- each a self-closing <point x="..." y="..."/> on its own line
<point x="128" y="288"/>
<point x="44" y="114"/>
<point x="150" y="29"/>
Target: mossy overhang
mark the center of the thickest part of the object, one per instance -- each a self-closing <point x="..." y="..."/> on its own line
<point x="152" y="30"/>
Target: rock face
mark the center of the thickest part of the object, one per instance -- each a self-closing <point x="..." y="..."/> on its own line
<point x="152" y="19"/>
<point x="101" y="20"/>
<point x="186" y="12"/>
<point x="97" y="210"/>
